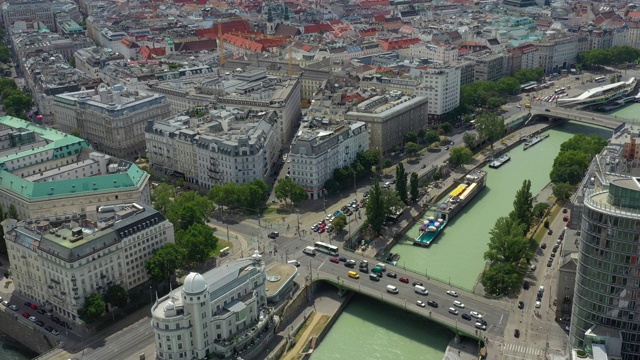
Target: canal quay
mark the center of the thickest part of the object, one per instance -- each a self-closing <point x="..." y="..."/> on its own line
<point x="369" y="329"/>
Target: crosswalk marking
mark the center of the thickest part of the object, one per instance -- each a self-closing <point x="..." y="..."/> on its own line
<point x="521" y="349"/>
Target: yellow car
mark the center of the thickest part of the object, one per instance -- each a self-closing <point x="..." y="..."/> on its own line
<point x="354" y="275"/>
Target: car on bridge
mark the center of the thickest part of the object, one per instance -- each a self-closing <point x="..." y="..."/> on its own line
<point x="458" y="304"/>
<point x="404" y="279"/>
<point x="452" y="293"/>
<point x="466" y="317"/>
<point x="432" y="303"/>
<point x="480" y="326"/>
<point x="420" y="303"/>
<point x="391" y="274"/>
<point x="475" y="314"/>
<point x="453" y="311"/>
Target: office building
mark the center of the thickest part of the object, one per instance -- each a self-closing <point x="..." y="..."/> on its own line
<point x="388" y="117"/>
<point x="57" y="262"/>
<point x="607" y="214"/>
<point x="29" y="10"/>
<point x="112" y="119"/>
<point x="46" y="173"/>
<point x="320" y="148"/>
<point x="217" y="314"/>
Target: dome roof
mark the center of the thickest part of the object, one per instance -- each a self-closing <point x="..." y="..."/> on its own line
<point x="169" y="306"/>
<point x="194" y="283"/>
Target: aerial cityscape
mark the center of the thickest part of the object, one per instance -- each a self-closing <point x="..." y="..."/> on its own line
<point x="367" y="179"/>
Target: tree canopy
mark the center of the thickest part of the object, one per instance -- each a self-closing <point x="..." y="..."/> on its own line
<point x="611" y="56"/>
<point x="94" y="307"/>
<point x="116" y="295"/>
<point x="197" y="241"/>
<point x="414" y="191"/>
<point x="526" y="75"/>
<point x="251" y="195"/>
<point x="500" y="279"/>
<point x="165" y="261"/>
<point x="470" y="140"/>
<point x="507" y="244"/>
<point x="339" y="223"/>
<point x="290" y="192"/>
<point x="375" y="208"/>
<point x="562" y="191"/>
<point x="523" y="206"/>
<point x="460" y="155"/>
<point x="362" y="166"/>
<point x="401" y="181"/>
<point x="490" y="127"/>
<point x="569" y="167"/>
<point x="189" y="209"/>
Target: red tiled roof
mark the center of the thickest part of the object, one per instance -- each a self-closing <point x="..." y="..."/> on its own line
<point x="634" y="14"/>
<point x="368" y="32"/>
<point x="316" y="28"/>
<point x="200" y="2"/>
<point x="399" y="43"/>
<point x="371" y="3"/>
<point x="243" y="43"/>
<point x="379" y="18"/>
<point x="227" y="27"/>
<point x="150" y="53"/>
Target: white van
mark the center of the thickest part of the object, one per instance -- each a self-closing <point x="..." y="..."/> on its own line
<point x="295" y="263"/>
<point x="381" y="265"/>
<point x="392" y="289"/>
<point x="309" y="250"/>
<point x="420" y="290"/>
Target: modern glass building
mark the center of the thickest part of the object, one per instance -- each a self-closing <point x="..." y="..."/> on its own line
<point x="606" y="308"/>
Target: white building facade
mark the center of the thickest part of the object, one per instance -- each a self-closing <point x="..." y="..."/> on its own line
<point x="442" y="88"/>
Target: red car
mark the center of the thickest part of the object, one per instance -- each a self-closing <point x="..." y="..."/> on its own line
<point x="33" y="306"/>
<point x="26" y="315"/>
<point x="335" y="260"/>
<point x="404" y="279"/>
<point x="565" y="218"/>
<point x="321" y="230"/>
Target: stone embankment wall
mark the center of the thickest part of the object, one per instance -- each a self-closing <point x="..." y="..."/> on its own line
<point x="29" y="335"/>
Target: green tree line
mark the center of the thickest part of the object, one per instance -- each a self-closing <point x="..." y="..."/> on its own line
<point x="611" y="56"/>
<point x="15" y="103"/>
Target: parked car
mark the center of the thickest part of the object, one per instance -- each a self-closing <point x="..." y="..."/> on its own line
<point x="543" y="246"/>
<point x="516" y="333"/>
<point x="55" y="332"/>
<point x="538" y="304"/>
<point x="521" y="305"/>
<point x="48" y="328"/>
<point x="26" y="315"/>
<point x="32" y="319"/>
<point x="342" y="259"/>
<point x="41" y="311"/>
<point x="13" y="307"/>
<point x="39" y="323"/>
<point x="5" y="303"/>
<point x="550" y="232"/>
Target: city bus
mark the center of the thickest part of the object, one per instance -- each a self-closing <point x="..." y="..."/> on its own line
<point x="600" y="79"/>
<point x="326" y="248"/>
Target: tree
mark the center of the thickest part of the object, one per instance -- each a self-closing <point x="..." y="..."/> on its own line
<point x="116" y="295"/>
<point x="375" y="208"/>
<point x="569" y="167"/>
<point x="164" y="262"/>
<point x="413" y="186"/>
<point x="13" y="212"/>
<point x="540" y="209"/>
<point x="490" y="127"/>
<point x="401" y="181"/>
<point x="446" y="128"/>
<point x="188" y="209"/>
<point x="431" y="136"/>
<point x="526" y="75"/>
<point x="391" y="202"/>
<point x="289" y="191"/>
<point x="411" y="136"/>
<point x="5" y="55"/>
<point x="523" y="206"/>
<point x="93" y="308"/>
<point x="589" y="145"/>
<point x="507" y="244"/>
<point x="470" y="139"/>
<point x="501" y="278"/>
<point x="339" y="223"/>
<point x="3" y="242"/>
<point x="224" y="195"/>
<point x="563" y="191"/>
<point x="411" y="148"/>
<point x="162" y="197"/>
<point x="197" y="241"/>
<point x="17" y="104"/>
<point x="509" y="86"/>
<point x="460" y="155"/>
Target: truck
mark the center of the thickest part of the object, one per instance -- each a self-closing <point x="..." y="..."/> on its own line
<point x="309" y="250"/>
<point x="377" y="270"/>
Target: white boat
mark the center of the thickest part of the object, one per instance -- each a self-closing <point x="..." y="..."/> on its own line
<point x="499" y="161"/>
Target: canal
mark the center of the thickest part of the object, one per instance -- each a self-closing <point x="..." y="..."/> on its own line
<point x="368" y="329"/>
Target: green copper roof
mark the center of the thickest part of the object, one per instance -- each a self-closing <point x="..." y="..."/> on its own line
<point x="61" y="145"/>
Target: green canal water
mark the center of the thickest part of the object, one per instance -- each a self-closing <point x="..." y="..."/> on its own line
<point x="368" y="329"/>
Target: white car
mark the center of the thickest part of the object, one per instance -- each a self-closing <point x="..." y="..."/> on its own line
<point x="33" y="319"/>
<point x="481" y="326"/>
<point x="458" y="304"/>
<point x="538" y="304"/>
<point x="453" y="311"/>
<point x="452" y="293"/>
<point x="420" y="303"/>
<point x="55" y="332"/>
<point x="5" y="303"/>
<point x="475" y="314"/>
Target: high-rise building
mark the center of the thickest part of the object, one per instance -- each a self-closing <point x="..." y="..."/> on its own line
<point x="606" y="309"/>
<point x="442" y="88"/>
<point x="58" y="263"/>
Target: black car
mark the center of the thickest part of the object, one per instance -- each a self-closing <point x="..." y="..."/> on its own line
<point x="521" y="305"/>
<point x="466" y="316"/>
<point x="482" y="321"/>
<point x="391" y="274"/>
<point x="55" y="320"/>
<point x="550" y="263"/>
<point x="555" y="248"/>
<point x="525" y="285"/>
<point x="564" y="211"/>
<point x="41" y="311"/>
<point x="366" y="194"/>
<point x="364" y="270"/>
<point x="516" y="333"/>
<point x="553" y="254"/>
<point x="344" y="208"/>
<point x="416" y="283"/>
<point x="393" y="181"/>
<point x="550" y="232"/>
<point x="432" y="303"/>
<point x="48" y="328"/>
<point x="543" y="246"/>
<point x="39" y="323"/>
<point x="423" y="166"/>
<point x="547" y="110"/>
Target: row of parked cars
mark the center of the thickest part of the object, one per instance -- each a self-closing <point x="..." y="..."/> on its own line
<point x="33" y="319"/>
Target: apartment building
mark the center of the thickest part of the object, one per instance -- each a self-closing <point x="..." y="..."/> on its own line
<point x="558" y="53"/>
<point x="111" y="118"/>
<point x="388" y="117"/>
<point x="225" y="145"/>
<point x="57" y="262"/>
<point x="49" y="174"/>
<point x="442" y="89"/>
<point x="522" y="57"/>
<point x="28" y="10"/>
<point x="489" y="67"/>
<point x="606" y="212"/>
<point x="444" y="54"/>
<point x="219" y="313"/>
<point x="320" y="148"/>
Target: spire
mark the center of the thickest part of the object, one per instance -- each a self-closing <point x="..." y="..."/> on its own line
<point x="286" y="13"/>
<point x="269" y="15"/>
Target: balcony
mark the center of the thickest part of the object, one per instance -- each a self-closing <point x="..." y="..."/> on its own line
<point x="245" y="338"/>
